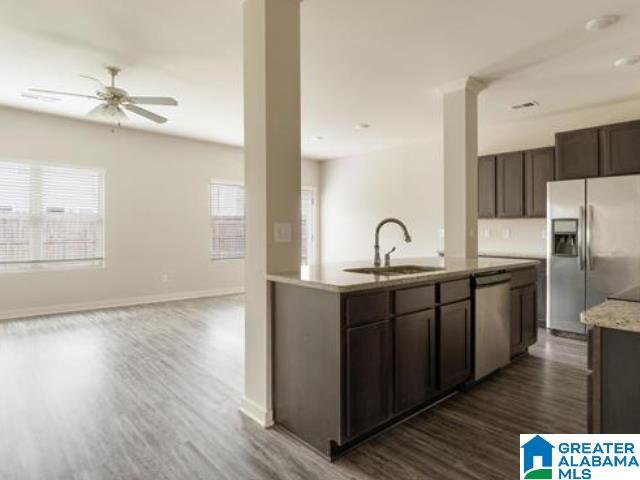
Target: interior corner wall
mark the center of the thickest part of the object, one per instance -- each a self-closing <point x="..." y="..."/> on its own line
<point x="407" y="182"/>
<point x="156" y="215"/>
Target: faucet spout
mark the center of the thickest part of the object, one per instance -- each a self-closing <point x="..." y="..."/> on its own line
<point x="407" y="237"/>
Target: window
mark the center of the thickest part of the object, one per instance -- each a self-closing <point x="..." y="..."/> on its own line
<point x="49" y="215"/>
<point x="227" y="207"/>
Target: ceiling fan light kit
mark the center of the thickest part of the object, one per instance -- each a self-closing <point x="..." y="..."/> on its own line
<point x="113" y="100"/>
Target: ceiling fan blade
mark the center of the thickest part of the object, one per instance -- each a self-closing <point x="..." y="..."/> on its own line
<point x="93" y="79"/>
<point x="145" y="113"/>
<point x="107" y="112"/>
<point x="153" y="101"/>
<point x="44" y="98"/>
<point x="54" y="92"/>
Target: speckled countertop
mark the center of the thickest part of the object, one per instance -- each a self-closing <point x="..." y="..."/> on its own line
<point x="332" y="277"/>
<point x="616" y="314"/>
<point x="518" y="255"/>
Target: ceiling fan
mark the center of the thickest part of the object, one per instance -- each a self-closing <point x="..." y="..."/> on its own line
<point x="113" y="100"/>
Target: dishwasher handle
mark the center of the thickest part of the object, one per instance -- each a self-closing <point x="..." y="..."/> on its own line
<point x="492" y="279"/>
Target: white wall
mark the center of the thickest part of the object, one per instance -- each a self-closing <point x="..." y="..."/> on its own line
<point x="156" y="214"/>
<point x="407" y="182"/>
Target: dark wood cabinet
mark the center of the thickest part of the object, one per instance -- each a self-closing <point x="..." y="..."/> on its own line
<point x="529" y="315"/>
<point x="577" y="154"/>
<point x="517" y="333"/>
<point x="510" y="184"/>
<point x="524" y="311"/>
<point x="454" y="344"/>
<point x="414" y="359"/>
<point x="487" y="186"/>
<point x="620" y="148"/>
<point x="539" y="167"/>
<point x="368" y="377"/>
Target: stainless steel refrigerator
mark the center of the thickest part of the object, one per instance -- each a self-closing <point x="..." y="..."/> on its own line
<point x="593" y="251"/>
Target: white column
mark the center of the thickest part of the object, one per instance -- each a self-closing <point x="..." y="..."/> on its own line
<point x="272" y="178"/>
<point x="460" y="131"/>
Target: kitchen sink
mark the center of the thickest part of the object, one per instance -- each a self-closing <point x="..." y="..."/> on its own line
<point x="394" y="270"/>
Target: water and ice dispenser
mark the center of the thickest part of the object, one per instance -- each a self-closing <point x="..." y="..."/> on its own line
<point x="565" y="237"/>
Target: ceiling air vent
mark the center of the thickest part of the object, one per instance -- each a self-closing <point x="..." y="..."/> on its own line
<point x="529" y="104"/>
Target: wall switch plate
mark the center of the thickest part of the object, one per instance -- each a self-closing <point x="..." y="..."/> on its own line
<point x="543" y="233"/>
<point x="441" y="232"/>
<point x="486" y="233"/>
<point x="282" y="232"/>
<point x="506" y="233"/>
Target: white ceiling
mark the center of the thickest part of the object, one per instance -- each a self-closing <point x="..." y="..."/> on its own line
<point x="373" y="61"/>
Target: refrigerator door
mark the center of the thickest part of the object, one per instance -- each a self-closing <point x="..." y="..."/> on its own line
<point x="566" y="274"/>
<point x="613" y="236"/>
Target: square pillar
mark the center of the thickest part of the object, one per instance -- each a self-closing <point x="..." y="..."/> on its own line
<point x="460" y="131"/>
<point x="272" y="178"/>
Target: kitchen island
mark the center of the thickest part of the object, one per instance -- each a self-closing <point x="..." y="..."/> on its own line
<point x="354" y="353"/>
<point x="614" y="356"/>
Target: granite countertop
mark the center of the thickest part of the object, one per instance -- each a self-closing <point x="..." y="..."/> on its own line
<point x="615" y="314"/>
<point x="333" y="278"/>
<point x="518" y="255"/>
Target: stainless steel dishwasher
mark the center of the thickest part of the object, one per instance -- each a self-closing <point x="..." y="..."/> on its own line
<point x="492" y="299"/>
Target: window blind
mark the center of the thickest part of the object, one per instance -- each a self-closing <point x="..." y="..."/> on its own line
<point x="228" y="230"/>
<point x="49" y="215"/>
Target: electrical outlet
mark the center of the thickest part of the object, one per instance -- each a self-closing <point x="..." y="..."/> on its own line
<point x="506" y="233"/>
<point x="543" y="233"/>
<point x="282" y="232"/>
<point x="486" y="233"/>
<point x="441" y="232"/>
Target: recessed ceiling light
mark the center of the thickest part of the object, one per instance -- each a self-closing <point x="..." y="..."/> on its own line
<point x="600" y="23"/>
<point x="362" y="126"/>
<point x="627" y="61"/>
<point x="529" y="104"/>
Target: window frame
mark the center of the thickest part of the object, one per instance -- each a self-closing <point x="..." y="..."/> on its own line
<point x="63" y="264"/>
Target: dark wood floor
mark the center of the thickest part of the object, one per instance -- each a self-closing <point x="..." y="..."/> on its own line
<point x="153" y="392"/>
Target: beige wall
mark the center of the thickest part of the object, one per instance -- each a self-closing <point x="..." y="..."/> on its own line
<point x="407" y="182"/>
<point x="156" y="214"/>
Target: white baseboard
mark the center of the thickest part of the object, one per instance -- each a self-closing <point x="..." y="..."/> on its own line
<point x="256" y="412"/>
<point x="119" y="302"/>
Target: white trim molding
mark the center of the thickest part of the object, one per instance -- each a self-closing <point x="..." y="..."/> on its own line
<point x="466" y="83"/>
<point x="257" y="413"/>
<point x="115" y="303"/>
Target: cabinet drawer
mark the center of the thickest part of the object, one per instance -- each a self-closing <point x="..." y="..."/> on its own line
<point x="454" y="291"/>
<point x="525" y="276"/>
<point x="414" y="299"/>
<point x="367" y="308"/>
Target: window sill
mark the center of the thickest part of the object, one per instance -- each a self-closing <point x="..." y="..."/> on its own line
<point x="51" y="266"/>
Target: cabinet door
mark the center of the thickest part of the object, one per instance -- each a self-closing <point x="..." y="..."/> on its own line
<point x="454" y="344"/>
<point x="538" y="170"/>
<point x="577" y="154"/>
<point x="517" y="332"/>
<point x="510" y="184"/>
<point x="487" y="187"/>
<point x="414" y="342"/>
<point x="529" y="315"/>
<point x="620" y="148"/>
<point x="368" y="377"/>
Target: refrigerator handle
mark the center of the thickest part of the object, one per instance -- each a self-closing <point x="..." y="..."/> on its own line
<point x="581" y="223"/>
<point x="588" y="249"/>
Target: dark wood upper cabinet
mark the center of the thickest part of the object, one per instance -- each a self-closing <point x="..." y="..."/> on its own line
<point x="454" y="342"/>
<point x="487" y="186"/>
<point x="538" y="170"/>
<point x="415" y="363"/>
<point x="369" y="376"/>
<point x="577" y="154"/>
<point x="510" y="184"/>
<point x="620" y="148"/>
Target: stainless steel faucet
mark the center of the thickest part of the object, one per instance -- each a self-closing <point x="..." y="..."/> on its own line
<point x="407" y="238"/>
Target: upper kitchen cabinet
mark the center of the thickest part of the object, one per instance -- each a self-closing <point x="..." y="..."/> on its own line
<point x="538" y="170"/>
<point x="620" y="148"/>
<point x="577" y="154"/>
<point x="510" y="184"/>
<point x="487" y="186"/>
